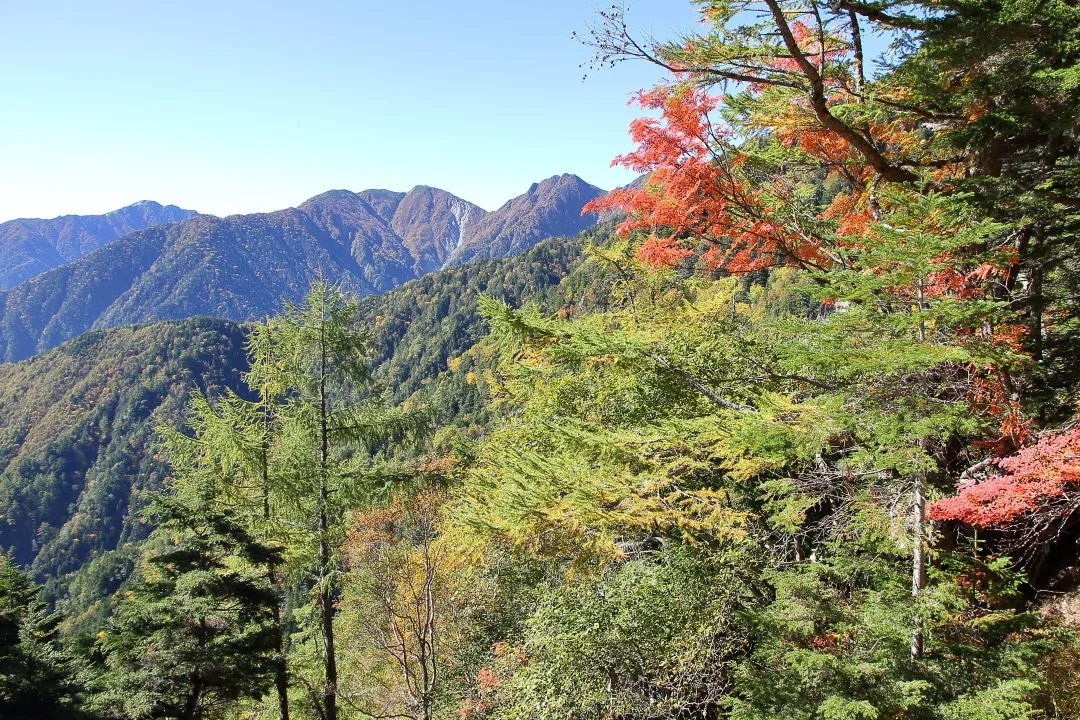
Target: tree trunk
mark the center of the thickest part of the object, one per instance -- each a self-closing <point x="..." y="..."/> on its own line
<point x="918" y="563"/>
<point x="190" y="710"/>
<point x="324" y="597"/>
<point x="281" y="671"/>
<point x="326" y="617"/>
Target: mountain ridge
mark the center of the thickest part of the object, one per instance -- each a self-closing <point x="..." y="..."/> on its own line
<point x="31" y="246"/>
<point x="242" y="267"/>
<point x="556" y="201"/>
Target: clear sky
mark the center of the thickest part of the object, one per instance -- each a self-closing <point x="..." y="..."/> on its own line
<point x="231" y="106"/>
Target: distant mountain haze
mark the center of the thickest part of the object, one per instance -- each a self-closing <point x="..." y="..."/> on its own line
<point x="243" y="267"/>
<point x="31" y="246"/>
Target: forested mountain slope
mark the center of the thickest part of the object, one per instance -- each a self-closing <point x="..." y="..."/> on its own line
<point x="418" y="327"/>
<point x="77" y="430"/>
<point x="77" y="421"/>
<point x="30" y="246"/>
<point x="429" y="222"/>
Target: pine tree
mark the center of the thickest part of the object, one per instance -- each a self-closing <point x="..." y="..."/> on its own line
<point x="196" y="634"/>
<point x="37" y="675"/>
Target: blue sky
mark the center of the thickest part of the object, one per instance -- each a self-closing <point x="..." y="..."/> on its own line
<point x="241" y="106"/>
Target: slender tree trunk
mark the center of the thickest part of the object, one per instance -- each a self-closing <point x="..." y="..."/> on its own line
<point x="324" y="596"/>
<point x="326" y="616"/>
<point x="918" y="518"/>
<point x="191" y="703"/>
<point x="428" y="658"/>
<point x="281" y="670"/>
<point x="856" y="42"/>
<point x="918" y="562"/>
<point x="1037" y="302"/>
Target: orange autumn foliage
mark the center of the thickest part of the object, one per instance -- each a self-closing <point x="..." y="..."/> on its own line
<point x="696" y="192"/>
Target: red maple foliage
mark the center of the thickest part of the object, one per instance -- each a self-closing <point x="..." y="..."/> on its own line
<point x="695" y="193"/>
<point x="1035" y="480"/>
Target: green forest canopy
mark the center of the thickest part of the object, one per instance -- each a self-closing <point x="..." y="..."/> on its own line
<point x="798" y="442"/>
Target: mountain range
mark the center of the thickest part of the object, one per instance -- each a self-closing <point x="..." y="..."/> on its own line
<point x="30" y="246"/>
<point x="243" y="267"/>
<point x="77" y="421"/>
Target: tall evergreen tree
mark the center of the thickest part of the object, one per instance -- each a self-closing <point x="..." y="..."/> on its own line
<point x="196" y="635"/>
<point x="311" y="363"/>
<point x="230" y="442"/>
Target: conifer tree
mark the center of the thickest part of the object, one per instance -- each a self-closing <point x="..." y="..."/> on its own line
<point x="37" y="676"/>
<point x="311" y="363"/>
<point x="196" y="635"/>
<point x="231" y="441"/>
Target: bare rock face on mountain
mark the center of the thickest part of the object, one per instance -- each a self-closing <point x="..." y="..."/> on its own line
<point x="244" y="267"/>
<point x="432" y="223"/>
<point x="29" y="247"/>
<point x="549" y="209"/>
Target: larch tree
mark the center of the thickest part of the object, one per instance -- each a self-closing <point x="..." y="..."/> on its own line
<point x="311" y="363"/>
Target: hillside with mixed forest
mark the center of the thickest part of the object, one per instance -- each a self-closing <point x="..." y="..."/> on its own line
<point x="787" y="429"/>
<point x="74" y="417"/>
<point x="77" y="429"/>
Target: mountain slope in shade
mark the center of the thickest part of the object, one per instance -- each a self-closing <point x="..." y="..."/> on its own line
<point x="550" y="208"/>
<point x="29" y="247"/>
<point x="246" y="266"/>
<point x="77" y="427"/>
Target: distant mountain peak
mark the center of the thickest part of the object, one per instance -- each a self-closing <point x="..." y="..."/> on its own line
<point x="566" y="179"/>
<point x="549" y="208"/>
<point x="331" y="195"/>
<point x="31" y="246"/>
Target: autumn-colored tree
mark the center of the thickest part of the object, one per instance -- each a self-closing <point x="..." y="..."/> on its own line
<point x="895" y="238"/>
<point x="1031" y="497"/>
<point x="1038" y="474"/>
<point x="976" y="100"/>
<point x="701" y="189"/>
<point x="401" y="603"/>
